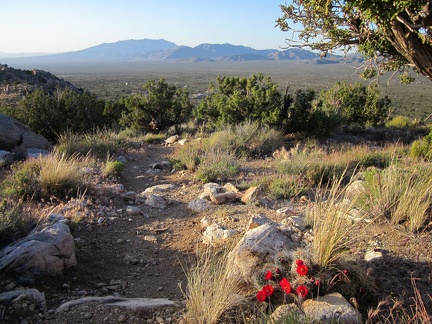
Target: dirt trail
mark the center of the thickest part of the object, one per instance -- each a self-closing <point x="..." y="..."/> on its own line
<point x="132" y="255"/>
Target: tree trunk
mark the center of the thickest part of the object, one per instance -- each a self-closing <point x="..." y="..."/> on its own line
<point x="412" y="48"/>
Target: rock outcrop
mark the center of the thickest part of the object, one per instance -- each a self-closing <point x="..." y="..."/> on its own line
<point x="47" y="252"/>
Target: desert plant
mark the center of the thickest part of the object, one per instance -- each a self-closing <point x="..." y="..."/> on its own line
<point x="14" y="221"/>
<point x="422" y="148"/>
<point x="112" y="167"/>
<point x="332" y="230"/>
<point x="400" y="121"/>
<point x="54" y="175"/>
<point x="217" y="165"/>
<point x="233" y="100"/>
<point x="355" y="103"/>
<point x="399" y="194"/>
<point x="98" y="143"/>
<point x="211" y="289"/>
<point x="189" y="155"/>
<point x="157" y="108"/>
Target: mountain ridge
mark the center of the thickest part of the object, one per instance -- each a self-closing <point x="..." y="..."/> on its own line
<point x="161" y="50"/>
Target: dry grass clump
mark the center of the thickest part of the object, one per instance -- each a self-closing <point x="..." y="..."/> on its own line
<point x="211" y="290"/>
<point x="400" y="194"/>
<point x="54" y="175"/>
<point x="333" y="232"/>
<point x="217" y="165"/>
<point x="319" y="165"/>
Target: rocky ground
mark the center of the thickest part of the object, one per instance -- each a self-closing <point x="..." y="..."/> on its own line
<point x="127" y="249"/>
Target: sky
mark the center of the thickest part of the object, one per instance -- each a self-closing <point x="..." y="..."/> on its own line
<point x="56" y="26"/>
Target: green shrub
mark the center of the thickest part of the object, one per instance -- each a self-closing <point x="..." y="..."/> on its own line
<point x="400" y="121"/>
<point x="50" y="115"/>
<point x="422" y="148"/>
<point x="355" y="104"/>
<point x="233" y="100"/>
<point x="217" y="165"/>
<point x="189" y="155"/>
<point x="157" y="108"/>
<point x="284" y="186"/>
<point x="112" y="168"/>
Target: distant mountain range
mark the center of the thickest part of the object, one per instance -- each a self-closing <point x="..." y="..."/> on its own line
<point x="160" y="50"/>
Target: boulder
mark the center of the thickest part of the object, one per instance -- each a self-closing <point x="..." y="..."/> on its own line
<point x="215" y="234"/>
<point x="257" y="247"/>
<point x="157" y="189"/>
<point x="32" y="140"/>
<point x="289" y="313"/>
<point x="199" y="205"/>
<point x="156" y="201"/>
<point x="13" y="133"/>
<point x="331" y="308"/>
<point x="47" y="252"/>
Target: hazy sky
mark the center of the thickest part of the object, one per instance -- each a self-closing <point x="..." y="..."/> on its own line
<point x="53" y="26"/>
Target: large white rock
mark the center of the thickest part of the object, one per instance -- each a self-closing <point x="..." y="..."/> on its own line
<point x="331" y="308"/>
<point x="47" y="252"/>
<point x="257" y="247"/>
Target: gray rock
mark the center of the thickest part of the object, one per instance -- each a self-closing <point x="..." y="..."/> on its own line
<point x="5" y="157"/>
<point x="133" y="304"/>
<point x="36" y="153"/>
<point x="215" y="234"/>
<point x="289" y="313"/>
<point x="199" y="205"/>
<point x="11" y="131"/>
<point x="47" y="252"/>
<point x="258" y="220"/>
<point x="32" y="140"/>
<point x="133" y="210"/>
<point x="35" y="294"/>
<point x="330" y="308"/>
<point x="156" y="201"/>
<point x="157" y="189"/>
<point x="257" y="247"/>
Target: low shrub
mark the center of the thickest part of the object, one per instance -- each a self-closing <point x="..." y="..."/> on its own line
<point x="217" y="165"/>
<point x="112" y="167"/>
<point x="15" y="222"/>
<point x="211" y="290"/>
<point x="422" y="148"/>
<point x="54" y="175"/>
<point x="400" y="121"/>
<point x="402" y="195"/>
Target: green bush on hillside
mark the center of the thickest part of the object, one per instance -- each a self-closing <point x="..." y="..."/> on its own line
<point x="51" y="115"/>
<point x="233" y="100"/>
<point x="356" y="104"/>
<point x="422" y="148"/>
<point x="157" y="108"/>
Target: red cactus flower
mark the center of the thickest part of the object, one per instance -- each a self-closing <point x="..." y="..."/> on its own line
<point x="302" y="269"/>
<point x="261" y="296"/>
<point x="285" y="285"/>
<point x="299" y="262"/>
<point x="268" y="290"/>
<point x="302" y="291"/>
<point x="268" y="275"/>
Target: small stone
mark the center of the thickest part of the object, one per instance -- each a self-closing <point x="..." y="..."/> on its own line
<point x="87" y="315"/>
<point x="133" y="210"/>
<point x="150" y="238"/>
<point x="66" y="286"/>
<point x="159" y="319"/>
<point x="122" y="318"/>
<point x="373" y="255"/>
